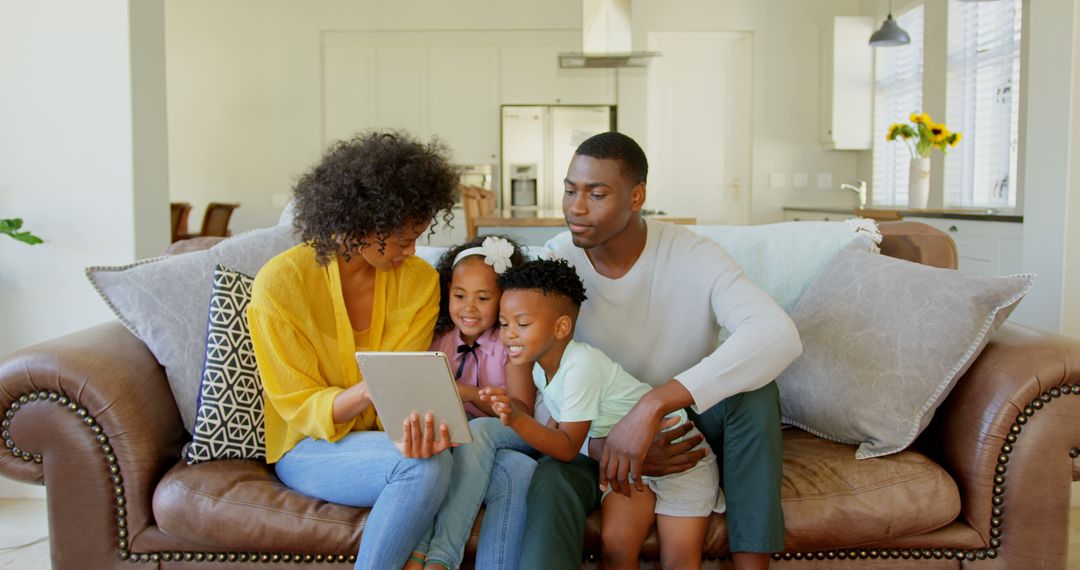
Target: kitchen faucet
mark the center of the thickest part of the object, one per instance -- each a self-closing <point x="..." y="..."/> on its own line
<point x="860" y="190"/>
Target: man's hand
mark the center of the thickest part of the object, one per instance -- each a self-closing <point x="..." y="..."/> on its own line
<point x="665" y="457"/>
<point x="422" y="444"/>
<point x="631" y="440"/>
<point x="625" y="449"/>
<point x="500" y="402"/>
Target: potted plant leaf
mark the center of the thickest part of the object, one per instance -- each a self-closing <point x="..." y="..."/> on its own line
<point x="13" y="228"/>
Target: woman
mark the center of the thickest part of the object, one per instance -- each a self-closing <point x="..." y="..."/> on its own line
<point x="354" y="284"/>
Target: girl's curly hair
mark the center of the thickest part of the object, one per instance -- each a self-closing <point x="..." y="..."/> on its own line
<point x="369" y="187"/>
<point x="552" y="277"/>
<point x="445" y="267"/>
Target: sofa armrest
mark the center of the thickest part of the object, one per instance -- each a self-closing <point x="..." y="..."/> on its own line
<point x="1008" y="434"/>
<point x="91" y="416"/>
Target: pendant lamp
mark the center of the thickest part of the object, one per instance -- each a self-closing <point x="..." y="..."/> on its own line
<point x="890" y="34"/>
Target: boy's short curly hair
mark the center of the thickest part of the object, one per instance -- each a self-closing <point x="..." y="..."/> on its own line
<point x="445" y="267"/>
<point x="369" y="187"/>
<point x="549" y="276"/>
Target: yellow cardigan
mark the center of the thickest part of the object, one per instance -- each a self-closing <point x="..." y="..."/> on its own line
<point x="304" y="343"/>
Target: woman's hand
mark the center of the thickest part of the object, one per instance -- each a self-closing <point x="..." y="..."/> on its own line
<point x="500" y="403"/>
<point x="421" y="443"/>
<point x="351" y="402"/>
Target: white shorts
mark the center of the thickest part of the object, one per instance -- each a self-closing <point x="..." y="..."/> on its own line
<point x="692" y="493"/>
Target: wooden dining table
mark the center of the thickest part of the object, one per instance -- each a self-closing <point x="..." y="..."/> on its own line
<point x="550" y="219"/>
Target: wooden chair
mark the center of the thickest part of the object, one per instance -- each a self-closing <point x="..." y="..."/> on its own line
<point x="477" y="202"/>
<point x="216" y="219"/>
<point x="179" y="211"/>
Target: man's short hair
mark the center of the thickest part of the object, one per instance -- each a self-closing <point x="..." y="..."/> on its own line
<point x="617" y="146"/>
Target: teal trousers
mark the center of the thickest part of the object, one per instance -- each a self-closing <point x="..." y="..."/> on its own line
<point x="743" y="431"/>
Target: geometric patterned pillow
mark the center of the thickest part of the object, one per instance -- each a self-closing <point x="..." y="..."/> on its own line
<point x="229" y="421"/>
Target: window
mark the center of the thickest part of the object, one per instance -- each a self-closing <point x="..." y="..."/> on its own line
<point x="983" y="103"/>
<point x="898" y="83"/>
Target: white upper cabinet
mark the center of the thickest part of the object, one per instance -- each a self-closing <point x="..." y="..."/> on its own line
<point x="463" y="101"/>
<point x="530" y="75"/>
<point x="847" y="84"/>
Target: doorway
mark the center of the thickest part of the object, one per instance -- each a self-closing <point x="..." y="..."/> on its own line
<point x="700" y="107"/>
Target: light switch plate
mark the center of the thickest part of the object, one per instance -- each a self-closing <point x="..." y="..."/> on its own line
<point x="777" y="180"/>
<point x="824" y="180"/>
<point x="800" y="180"/>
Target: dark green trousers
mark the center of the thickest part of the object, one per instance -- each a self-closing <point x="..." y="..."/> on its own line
<point x="743" y="431"/>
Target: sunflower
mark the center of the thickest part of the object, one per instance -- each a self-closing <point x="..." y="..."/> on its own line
<point x="954" y="139"/>
<point x="921" y="119"/>
<point x="938" y="133"/>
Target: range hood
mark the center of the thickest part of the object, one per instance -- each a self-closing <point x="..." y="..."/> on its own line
<point x="605" y="37"/>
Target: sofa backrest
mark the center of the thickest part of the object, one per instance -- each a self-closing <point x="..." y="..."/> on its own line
<point x="918" y="242"/>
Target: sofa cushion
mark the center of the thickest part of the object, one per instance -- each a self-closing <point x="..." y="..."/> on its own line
<point x="884" y="341"/>
<point x="164" y="301"/>
<point x="830" y="500"/>
<point x="240" y="505"/>
<point x="229" y="422"/>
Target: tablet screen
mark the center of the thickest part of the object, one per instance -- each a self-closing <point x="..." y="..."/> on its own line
<point x="401" y="382"/>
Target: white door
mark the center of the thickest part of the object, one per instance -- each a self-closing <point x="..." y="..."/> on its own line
<point x="699" y="109"/>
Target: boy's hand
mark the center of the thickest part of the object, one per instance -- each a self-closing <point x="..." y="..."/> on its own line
<point x="500" y="403"/>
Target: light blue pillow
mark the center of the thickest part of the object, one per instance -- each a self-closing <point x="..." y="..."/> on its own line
<point x="783" y="259"/>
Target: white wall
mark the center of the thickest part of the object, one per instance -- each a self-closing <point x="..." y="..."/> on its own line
<point x="1046" y="122"/>
<point x="68" y="148"/>
<point x="1070" y="308"/>
<point x="245" y="102"/>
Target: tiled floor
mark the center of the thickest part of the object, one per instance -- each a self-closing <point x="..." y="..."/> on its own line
<point x="24" y="528"/>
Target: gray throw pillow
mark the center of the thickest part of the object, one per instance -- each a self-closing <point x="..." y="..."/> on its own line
<point x="164" y="301"/>
<point x="884" y="341"/>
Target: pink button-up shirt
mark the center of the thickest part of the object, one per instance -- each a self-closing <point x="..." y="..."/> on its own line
<point x="491" y="355"/>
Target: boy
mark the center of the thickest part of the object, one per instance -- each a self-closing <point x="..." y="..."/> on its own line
<point x="587" y="393"/>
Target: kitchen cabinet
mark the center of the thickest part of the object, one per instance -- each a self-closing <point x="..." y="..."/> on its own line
<point x="847" y="84"/>
<point x="803" y="216"/>
<point x="463" y="101"/>
<point x="984" y="248"/>
<point x="530" y="75"/>
<point x="449" y="91"/>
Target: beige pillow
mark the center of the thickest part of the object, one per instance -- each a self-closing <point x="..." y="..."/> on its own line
<point x="884" y="341"/>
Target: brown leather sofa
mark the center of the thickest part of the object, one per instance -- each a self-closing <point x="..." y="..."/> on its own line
<point x="90" y="416"/>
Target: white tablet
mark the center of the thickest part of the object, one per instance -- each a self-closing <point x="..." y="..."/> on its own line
<point x="401" y="382"/>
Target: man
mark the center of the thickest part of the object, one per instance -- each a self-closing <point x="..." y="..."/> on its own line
<point x="658" y="297"/>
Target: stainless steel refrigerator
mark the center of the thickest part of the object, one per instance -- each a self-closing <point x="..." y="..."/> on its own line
<point x="538" y="142"/>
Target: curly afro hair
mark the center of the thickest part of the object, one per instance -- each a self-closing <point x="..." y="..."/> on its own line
<point x="552" y="277"/>
<point x="369" y="187"/>
<point x="445" y="267"/>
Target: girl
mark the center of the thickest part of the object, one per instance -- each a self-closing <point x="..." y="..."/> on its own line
<point x="354" y="284"/>
<point x="486" y="470"/>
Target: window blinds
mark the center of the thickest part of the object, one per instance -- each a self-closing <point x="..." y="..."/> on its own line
<point x="983" y="103"/>
<point x="898" y="85"/>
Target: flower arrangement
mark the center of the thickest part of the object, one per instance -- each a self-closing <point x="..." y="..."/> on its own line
<point x="923" y="135"/>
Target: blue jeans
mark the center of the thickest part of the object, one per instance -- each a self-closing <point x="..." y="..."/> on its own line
<point x="365" y="469"/>
<point x="488" y="471"/>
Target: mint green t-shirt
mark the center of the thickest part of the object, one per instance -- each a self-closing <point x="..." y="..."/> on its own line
<point x="589" y="386"/>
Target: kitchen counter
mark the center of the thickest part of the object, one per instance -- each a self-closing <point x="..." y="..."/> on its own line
<point x="978" y="214"/>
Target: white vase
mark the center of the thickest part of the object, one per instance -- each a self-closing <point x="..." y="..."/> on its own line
<point x="919" y="183"/>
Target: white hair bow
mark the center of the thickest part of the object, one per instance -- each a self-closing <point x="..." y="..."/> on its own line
<point x="496" y="252"/>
